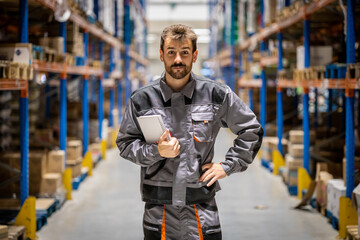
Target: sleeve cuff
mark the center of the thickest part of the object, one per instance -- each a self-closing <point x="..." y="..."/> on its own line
<point x="155" y="152"/>
<point x="226" y="168"/>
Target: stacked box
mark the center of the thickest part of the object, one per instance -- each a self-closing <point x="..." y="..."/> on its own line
<point x="95" y="149"/>
<point x="74" y="157"/>
<point x="356" y="202"/>
<point x="56" y="161"/>
<point x="335" y="190"/>
<point x="322" y="178"/>
<point x="37" y="169"/>
<point x="109" y="139"/>
<point x="50" y="183"/>
<point x="74" y="40"/>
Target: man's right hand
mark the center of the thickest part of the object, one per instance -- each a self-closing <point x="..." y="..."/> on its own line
<point x="168" y="149"/>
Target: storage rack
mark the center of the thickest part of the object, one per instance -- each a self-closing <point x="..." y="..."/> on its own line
<point x="85" y="71"/>
<point x="348" y="84"/>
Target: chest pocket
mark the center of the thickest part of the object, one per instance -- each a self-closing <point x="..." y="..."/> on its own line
<point x="202" y="126"/>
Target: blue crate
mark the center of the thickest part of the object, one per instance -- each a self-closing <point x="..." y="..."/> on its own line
<point x="335" y="223"/>
<point x="83" y="176"/>
<point x="41" y="220"/>
<point x="79" y="61"/>
<point x="292" y="190"/>
<point x="76" y="183"/>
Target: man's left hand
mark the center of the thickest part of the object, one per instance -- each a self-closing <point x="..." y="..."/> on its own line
<point x="214" y="172"/>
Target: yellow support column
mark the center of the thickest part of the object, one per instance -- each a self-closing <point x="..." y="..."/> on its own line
<point x="87" y="162"/>
<point x="278" y="161"/>
<point x="67" y="180"/>
<point x="114" y="136"/>
<point x="103" y="149"/>
<point x="347" y="216"/>
<point x="27" y="218"/>
<point x="304" y="181"/>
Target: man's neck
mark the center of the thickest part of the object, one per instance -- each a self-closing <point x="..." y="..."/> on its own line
<point x="176" y="84"/>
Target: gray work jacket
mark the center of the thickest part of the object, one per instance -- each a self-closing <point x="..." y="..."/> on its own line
<point x="194" y="116"/>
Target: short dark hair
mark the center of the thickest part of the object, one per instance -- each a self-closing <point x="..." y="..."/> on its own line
<point x="178" y="32"/>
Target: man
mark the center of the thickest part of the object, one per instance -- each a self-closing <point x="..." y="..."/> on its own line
<point x="178" y="178"/>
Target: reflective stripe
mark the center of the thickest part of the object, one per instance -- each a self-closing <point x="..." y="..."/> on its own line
<point x="198" y="224"/>
<point x="163" y="236"/>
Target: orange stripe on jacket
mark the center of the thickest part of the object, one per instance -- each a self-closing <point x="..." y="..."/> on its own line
<point x="198" y="224"/>
<point x="163" y="235"/>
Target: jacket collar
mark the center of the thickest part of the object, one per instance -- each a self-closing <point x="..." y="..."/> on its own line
<point x="188" y="90"/>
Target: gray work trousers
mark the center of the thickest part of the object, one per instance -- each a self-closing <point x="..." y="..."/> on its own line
<point x="189" y="222"/>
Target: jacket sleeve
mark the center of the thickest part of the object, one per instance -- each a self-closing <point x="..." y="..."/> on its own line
<point x="131" y="142"/>
<point x="235" y="115"/>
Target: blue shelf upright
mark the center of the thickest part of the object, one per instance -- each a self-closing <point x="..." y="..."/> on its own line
<point x="263" y="77"/>
<point x="63" y="103"/>
<point x="306" y="118"/>
<point x="85" y="103"/>
<point x="279" y="95"/>
<point x="251" y="91"/>
<point x="24" y="113"/>
<point x="101" y="93"/>
<point x="350" y="136"/>
<point x="127" y="41"/>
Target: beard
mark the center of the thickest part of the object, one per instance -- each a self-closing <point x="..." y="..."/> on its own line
<point x="178" y="74"/>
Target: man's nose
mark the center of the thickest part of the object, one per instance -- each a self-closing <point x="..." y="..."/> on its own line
<point x="178" y="58"/>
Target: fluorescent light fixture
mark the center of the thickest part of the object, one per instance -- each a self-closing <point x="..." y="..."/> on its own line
<point x="201" y="31"/>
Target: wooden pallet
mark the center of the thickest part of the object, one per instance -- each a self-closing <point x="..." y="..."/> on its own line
<point x="3" y="232"/>
<point x="46" y="206"/>
<point x="16" y="233"/>
<point x="352" y="232"/>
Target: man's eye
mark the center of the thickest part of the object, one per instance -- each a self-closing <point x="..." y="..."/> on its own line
<point x="185" y="52"/>
<point x="171" y="52"/>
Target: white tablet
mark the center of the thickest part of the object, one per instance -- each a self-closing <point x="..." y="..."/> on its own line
<point x="152" y="127"/>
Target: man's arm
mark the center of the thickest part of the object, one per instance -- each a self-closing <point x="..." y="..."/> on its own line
<point x="242" y="122"/>
<point x="131" y="142"/>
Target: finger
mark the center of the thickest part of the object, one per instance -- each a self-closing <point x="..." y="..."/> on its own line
<point x="213" y="180"/>
<point x="164" y="136"/>
<point x="203" y="176"/>
<point x="209" y="176"/>
<point x="176" y="146"/>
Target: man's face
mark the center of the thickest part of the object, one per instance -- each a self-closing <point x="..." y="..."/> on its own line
<point x="178" y="57"/>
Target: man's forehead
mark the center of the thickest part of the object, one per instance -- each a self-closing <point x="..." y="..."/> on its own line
<point x="173" y="43"/>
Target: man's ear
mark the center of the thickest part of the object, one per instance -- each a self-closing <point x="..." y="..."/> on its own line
<point x="195" y="55"/>
<point x="161" y="55"/>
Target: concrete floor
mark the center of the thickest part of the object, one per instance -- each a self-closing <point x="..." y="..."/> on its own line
<point x="108" y="206"/>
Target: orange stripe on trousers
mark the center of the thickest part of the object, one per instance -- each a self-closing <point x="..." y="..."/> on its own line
<point x="163" y="236"/>
<point x="198" y="224"/>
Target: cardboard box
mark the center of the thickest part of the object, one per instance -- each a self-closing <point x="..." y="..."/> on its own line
<point x="56" y="161"/>
<point x="3" y="232"/>
<point x="321" y="188"/>
<point x="74" y="150"/>
<point x="292" y="177"/>
<point x="75" y="167"/>
<point x="356" y="202"/>
<point x="319" y="56"/>
<point x="293" y="163"/>
<point x="296" y="150"/>
<point x="297" y="136"/>
<point x="335" y="190"/>
<point x="16" y="52"/>
<point x="51" y="182"/>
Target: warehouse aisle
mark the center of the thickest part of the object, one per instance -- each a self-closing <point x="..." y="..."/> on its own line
<point x="253" y="205"/>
